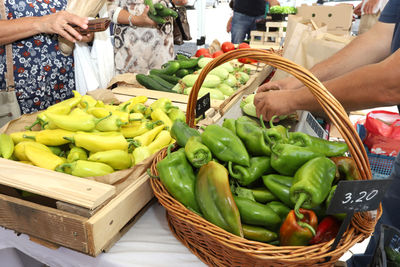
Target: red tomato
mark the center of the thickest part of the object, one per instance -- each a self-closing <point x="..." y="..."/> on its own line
<point x="217" y="53"/>
<point x="202" y="52"/>
<point x="227" y="46"/>
<point x="207" y="55"/>
<point x="243" y="45"/>
<point x="247" y="60"/>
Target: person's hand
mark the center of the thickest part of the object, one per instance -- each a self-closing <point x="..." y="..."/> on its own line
<point x="357" y="9"/>
<point x="284" y="84"/>
<point x="229" y="25"/>
<point x="88" y="37"/>
<point x="58" y="23"/>
<point x="143" y="19"/>
<point x="271" y="103"/>
<point x="369" y="6"/>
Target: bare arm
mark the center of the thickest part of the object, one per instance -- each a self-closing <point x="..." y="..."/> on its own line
<point x="142" y="20"/>
<point x="368" y="48"/>
<point x="57" y="23"/>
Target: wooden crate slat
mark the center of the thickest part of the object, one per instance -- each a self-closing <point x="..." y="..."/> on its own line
<point x="109" y="220"/>
<point x="78" y="191"/>
<point x="43" y="222"/>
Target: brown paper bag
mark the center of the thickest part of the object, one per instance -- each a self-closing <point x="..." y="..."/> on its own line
<point x="307" y="44"/>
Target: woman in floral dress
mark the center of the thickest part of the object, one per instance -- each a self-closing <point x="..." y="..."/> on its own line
<point x="139" y="44"/>
<point x="42" y="75"/>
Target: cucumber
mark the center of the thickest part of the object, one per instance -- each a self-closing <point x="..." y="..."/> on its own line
<point x="157" y="19"/>
<point x="181" y="57"/>
<point x="158" y="6"/>
<point x="188" y="63"/>
<point x="168" y="78"/>
<point x="152" y="10"/>
<point x="182" y="73"/>
<point x="165" y="12"/>
<point x="163" y="82"/>
<point x="150" y="83"/>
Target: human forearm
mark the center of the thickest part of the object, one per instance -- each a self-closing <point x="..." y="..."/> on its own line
<point x="17" y="29"/>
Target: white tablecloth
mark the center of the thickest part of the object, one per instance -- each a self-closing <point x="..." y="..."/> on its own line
<point x="149" y="242"/>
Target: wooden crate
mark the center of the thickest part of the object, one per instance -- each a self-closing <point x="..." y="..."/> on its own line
<point x="271" y="38"/>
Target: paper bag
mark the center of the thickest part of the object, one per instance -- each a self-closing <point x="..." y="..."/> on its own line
<point x="307" y="44"/>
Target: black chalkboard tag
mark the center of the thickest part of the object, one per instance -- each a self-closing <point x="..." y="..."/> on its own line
<point x="355" y="196"/>
<point x="203" y="104"/>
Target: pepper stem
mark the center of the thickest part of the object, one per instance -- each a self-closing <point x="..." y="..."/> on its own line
<point x="151" y="175"/>
<point x="169" y="149"/>
<point x="29" y="137"/>
<point x="306" y="225"/>
<point x="303" y="197"/>
<point x="33" y="124"/>
<point x="106" y="117"/>
<point x="262" y="121"/>
<point x="271" y="122"/>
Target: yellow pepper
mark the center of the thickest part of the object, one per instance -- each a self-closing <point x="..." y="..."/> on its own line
<point x="159" y="114"/>
<point x="163" y="103"/>
<point x="85" y="168"/>
<point x="87" y="101"/>
<point x="139" y="108"/>
<point x="110" y="123"/>
<point x="70" y="103"/>
<point x="146" y="138"/>
<point x="99" y="104"/>
<point x="136" y="128"/>
<point x="74" y="122"/>
<point x="141" y="153"/>
<point x="111" y="107"/>
<point x="53" y="137"/>
<point x="76" y="153"/>
<point x="162" y="140"/>
<point x="6" y="146"/>
<point x="18" y="137"/>
<point x="127" y="106"/>
<point x="19" y="149"/>
<point x="118" y="159"/>
<point x="42" y="158"/>
<point x="96" y="142"/>
<point x="99" y="112"/>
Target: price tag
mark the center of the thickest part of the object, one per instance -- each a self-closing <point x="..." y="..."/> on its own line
<point x="202" y="105"/>
<point x="356" y="196"/>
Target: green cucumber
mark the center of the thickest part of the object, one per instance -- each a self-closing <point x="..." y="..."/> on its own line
<point x="150" y="83"/>
<point x="152" y="10"/>
<point x="158" y="6"/>
<point x="157" y="19"/>
<point x="161" y="81"/>
<point x="168" y="78"/>
<point x="188" y="63"/>
<point x="170" y="67"/>
<point x="182" y="73"/>
<point x="165" y="12"/>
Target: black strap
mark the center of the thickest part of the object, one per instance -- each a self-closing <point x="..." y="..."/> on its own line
<point x="179" y="22"/>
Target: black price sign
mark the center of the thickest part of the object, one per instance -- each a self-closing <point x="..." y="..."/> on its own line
<point x="202" y="105"/>
<point x="356" y="196"/>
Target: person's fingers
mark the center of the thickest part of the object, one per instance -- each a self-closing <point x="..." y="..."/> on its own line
<point x="72" y="32"/>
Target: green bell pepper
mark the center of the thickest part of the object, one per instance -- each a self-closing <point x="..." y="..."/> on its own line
<point x="230" y="124"/>
<point x="276" y="133"/>
<point x="252" y="136"/>
<point x="312" y="183"/>
<point x="197" y="153"/>
<point x="225" y="145"/>
<point x="319" y="145"/>
<point x="247" y="175"/>
<point x="258" y="233"/>
<point x="279" y="185"/>
<point x="263" y="195"/>
<point x="254" y="213"/>
<point x="181" y="132"/>
<point x="178" y="177"/>
<point x="287" y="159"/>
<point x="281" y="209"/>
<point x="215" y="198"/>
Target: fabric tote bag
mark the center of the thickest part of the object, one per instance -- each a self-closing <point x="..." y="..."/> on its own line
<point x="9" y="107"/>
<point x="181" y="25"/>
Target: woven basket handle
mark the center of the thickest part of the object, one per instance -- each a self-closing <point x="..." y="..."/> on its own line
<point x="330" y="105"/>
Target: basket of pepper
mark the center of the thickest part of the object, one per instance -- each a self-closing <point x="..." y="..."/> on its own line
<point x="217" y="220"/>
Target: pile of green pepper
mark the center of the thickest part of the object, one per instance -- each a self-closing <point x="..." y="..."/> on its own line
<point x="263" y="184"/>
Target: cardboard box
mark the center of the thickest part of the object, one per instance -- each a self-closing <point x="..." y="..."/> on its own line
<point x="337" y="18"/>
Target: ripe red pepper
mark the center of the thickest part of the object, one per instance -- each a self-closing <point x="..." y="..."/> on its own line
<point x="327" y="229"/>
<point x="294" y="232"/>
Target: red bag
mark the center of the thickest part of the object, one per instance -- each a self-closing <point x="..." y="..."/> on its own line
<point x="383" y="132"/>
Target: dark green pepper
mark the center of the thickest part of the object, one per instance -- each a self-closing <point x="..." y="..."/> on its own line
<point x="252" y="136"/>
<point x="319" y="145"/>
<point x="197" y="153"/>
<point x="247" y="175"/>
<point x="254" y="213"/>
<point x="178" y="177"/>
<point x="279" y="185"/>
<point x="287" y="159"/>
<point x="258" y="233"/>
<point x="346" y="169"/>
<point x="181" y="132"/>
<point x="225" y="145"/>
<point x="215" y="198"/>
<point x="281" y="209"/>
<point x="276" y="133"/>
<point x="263" y="195"/>
<point x="312" y="183"/>
<point x="230" y="124"/>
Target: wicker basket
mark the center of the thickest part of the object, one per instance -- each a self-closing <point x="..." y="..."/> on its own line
<point x="217" y="247"/>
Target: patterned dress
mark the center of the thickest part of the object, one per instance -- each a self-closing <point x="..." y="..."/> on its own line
<point x="140" y="49"/>
<point x="42" y="75"/>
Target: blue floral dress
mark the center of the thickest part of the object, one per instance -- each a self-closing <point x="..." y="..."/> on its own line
<point x="42" y="75"/>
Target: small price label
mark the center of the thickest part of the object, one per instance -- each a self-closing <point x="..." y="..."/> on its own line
<point x="357" y="196"/>
<point x="202" y="105"/>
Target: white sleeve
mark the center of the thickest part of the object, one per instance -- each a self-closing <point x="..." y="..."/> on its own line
<point x="116" y="14"/>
